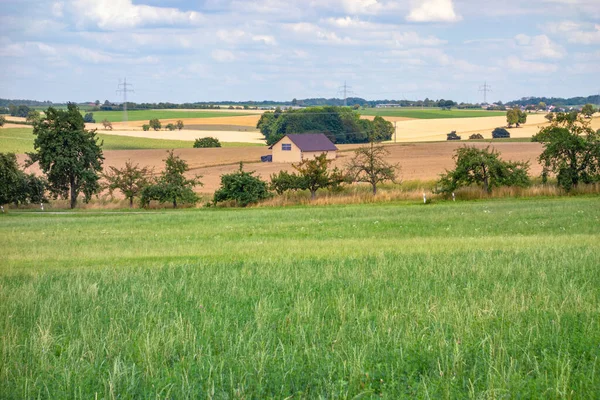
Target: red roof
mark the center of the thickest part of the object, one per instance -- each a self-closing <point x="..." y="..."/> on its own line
<point x="311" y="142"/>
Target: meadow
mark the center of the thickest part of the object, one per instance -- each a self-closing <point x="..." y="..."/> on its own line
<point x="429" y="113"/>
<point x="146" y="115"/>
<point x="480" y="299"/>
<point x="20" y="140"/>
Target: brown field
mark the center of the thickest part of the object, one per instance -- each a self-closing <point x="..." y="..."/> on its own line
<point x="419" y="161"/>
<point x="190" y="135"/>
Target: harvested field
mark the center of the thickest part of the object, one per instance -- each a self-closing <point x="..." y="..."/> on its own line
<point x="244" y="121"/>
<point x="207" y="127"/>
<point x="191" y="135"/>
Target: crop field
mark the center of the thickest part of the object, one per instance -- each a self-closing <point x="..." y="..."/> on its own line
<point x="430" y="113"/>
<point x="20" y="140"/>
<point x="146" y="115"/>
<point x="450" y="300"/>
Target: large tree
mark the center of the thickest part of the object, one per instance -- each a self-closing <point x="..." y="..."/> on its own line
<point x="69" y="155"/>
<point x="515" y="116"/>
<point x="129" y="180"/>
<point x="482" y="167"/>
<point x="16" y="186"/>
<point x="571" y="150"/>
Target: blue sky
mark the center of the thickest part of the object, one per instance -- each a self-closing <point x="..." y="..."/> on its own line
<point x="185" y="51"/>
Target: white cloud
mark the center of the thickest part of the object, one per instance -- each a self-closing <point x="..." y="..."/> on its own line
<point x="361" y="6"/>
<point x="575" y="32"/>
<point x="539" y="47"/>
<point x="413" y="39"/>
<point x="57" y="9"/>
<point x="433" y="11"/>
<point x="123" y="14"/>
<point x="223" y="55"/>
<point x="266" y="39"/>
<point x="516" y="64"/>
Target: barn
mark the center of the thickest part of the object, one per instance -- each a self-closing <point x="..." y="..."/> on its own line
<point x="298" y="147"/>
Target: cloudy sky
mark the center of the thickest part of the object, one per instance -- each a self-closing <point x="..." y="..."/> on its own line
<point x="202" y="50"/>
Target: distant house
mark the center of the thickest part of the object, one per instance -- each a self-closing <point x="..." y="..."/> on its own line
<point x="298" y="147"/>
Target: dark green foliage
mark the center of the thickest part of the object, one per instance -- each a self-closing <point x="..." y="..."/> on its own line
<point x="19" y="111"/>
<point x="588" y="110"/>
<point x="170" y="127"/>
<point x="155" y="124"/>
<point x="2" y="120"/>
<point x="89" y="118"/>
<point x="206" y="142"/>
<point x="242" y="187"/>
<point x="284" y="181"/>
<point x="549" y="116"/>
<point x="68" y="154"/>
<point x="129" y="180"/>
<point x="16" y="186"/>
<point x="500" y="133"/>
<point x="571" y="150"/>
<point x="179" y="124"/>
<point x="515" y="116"/>
<point x="452" y="136"/>
<point x="171" y="186"/>
<point x="33" y="116"/>
<point x="476" y="136"/>
<point x="482" y="167"/>
<point x="145" y="127"/>
<point x="340" y="124"/>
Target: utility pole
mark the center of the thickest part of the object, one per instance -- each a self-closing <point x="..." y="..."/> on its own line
<point x="485" y="89"/>
<point x="124" y="88"/>
<point x="345" y="91"/>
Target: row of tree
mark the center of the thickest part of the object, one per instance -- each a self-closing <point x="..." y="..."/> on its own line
<point x="340" y="124"/>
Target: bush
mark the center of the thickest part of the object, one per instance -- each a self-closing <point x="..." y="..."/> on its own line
<point x="146" y="127"/>
<point x="89" y="118"/>
<point x="2" y="120"/>
<point x="452" y="136"/>
<point x="284" y="181"/>
<point x="206" y="142"/>
<point x="476" y="136"/>
<point x="500" y="133"/>
<point x="242" y="187"/>
<point x="170" y="127"/>
<point x="155" y="124"/>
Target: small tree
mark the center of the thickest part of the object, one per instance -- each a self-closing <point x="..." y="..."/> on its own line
<point x="2" y="120"/>
<point x="482" y="167"/>
<point x="541" y="106"/>
<point x="67" y="153"/>
<point x="16" y="186"/>
<point x="206" y="142"/>
<point x="368" y="165"/>
<point x="170" y="127"/>
<point x="242" y="187"/>
<point x="172" y="185"/>
<point x="476" y="136"/>
<point x="89" y="118"/>
<point x="145" y="127"/>
<point x="33" y="117"/>
<point x="571" y="150"/>
<point x="549" y="117"/>
<point x="155" y="124"/>
<point x="107" y="124"/>
<point x="588" y="110"/>
<point x="315" y="174"/>
<point x="129" y="180"/>
<point x="516" y="117"/>
<point x="284" y="181"/>
<point x="179" y="124"/>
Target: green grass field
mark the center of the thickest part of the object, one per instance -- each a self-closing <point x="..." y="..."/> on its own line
<point x="430" y="113"/>
<point x="495" y="299"/>
<point x="20" y="140"/>
<point x="143" y="115"/>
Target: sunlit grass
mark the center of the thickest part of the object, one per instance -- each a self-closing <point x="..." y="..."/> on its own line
<point x="481" y="299"/>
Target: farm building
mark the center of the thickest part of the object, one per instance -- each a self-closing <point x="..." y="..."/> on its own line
<point x="298" y="147"/>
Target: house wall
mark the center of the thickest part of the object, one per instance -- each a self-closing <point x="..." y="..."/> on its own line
<point x="331" y="155"/>
<point x="293" y="156"/>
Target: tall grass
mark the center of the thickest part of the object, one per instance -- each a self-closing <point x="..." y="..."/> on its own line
<point x="452" y="300"/>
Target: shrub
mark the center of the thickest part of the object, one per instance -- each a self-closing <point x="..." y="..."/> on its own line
<point x="206" y="142"/>
<point x="242" y="187"/>
<point x="2" y="120"/>
<point x="155" y="124"/>
<point x="170" y="127"/>
<point x="146" y="127"/>
<point x="180" y="124"/>
<point x="452" y="136"/>
<point x="89" y="118"/>
<point x="476" y="136"/>
<point x="500" y="133"/>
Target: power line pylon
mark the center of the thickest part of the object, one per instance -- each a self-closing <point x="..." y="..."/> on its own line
<point x="124" y="89"/>
<point x="345" y="91"/>
<point x="485" y="89"/>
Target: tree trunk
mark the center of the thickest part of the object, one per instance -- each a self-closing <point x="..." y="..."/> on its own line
<point x="73" y="195"/>
<point x="374" y="188"/>
<point x="175" y="202"/>
<point x="486" y="183"/>
<point x="313" y="194"/>
<point x="131" y="202"/>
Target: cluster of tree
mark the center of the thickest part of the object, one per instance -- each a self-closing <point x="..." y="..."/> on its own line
<point x="588" y="110"/>
<point x="157" y="125"/>
<point x="340" y="124"/>
<point x="515" y="116"/>
<point x="476" y="136"/>
<point x="89" y="118"/>
<point x="500" y="133"/>
<point x="555" y="101"/>
<point x="19" y="111"/>
<point x="6" y="103"/>
<point x="206" y="142"/>
<point x="16" y="186"/>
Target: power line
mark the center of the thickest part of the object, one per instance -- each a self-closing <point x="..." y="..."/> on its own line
<point x="485" y="89"/>
<point x="345" y="90"/>
<point x="123" y="88"/>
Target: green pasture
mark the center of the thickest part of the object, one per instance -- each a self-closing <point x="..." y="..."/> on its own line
<point x="430" y="113"/>
<point x="488" y="299"/>
<point x="20" y="140"/>
<point x="143" y="115"/>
